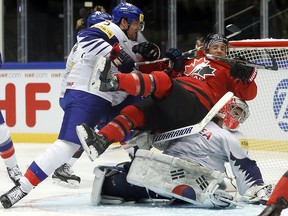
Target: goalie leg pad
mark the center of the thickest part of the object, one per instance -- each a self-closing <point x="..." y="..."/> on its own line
<point x="95" y="197"/>
<point x="174" y="177"/>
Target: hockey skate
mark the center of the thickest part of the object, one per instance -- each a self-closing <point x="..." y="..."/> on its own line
<point x="14" y="174"/>
<point x="12" y="196"/>
<point x="64" y="175"/>
<point x="93" y="144"/>
<point x="108" y="81"/>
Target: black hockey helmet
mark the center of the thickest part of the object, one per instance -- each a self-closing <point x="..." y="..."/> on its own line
<point x="215" y="38"/>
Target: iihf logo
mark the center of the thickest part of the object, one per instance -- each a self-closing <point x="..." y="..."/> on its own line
<point x="280" y="104"/>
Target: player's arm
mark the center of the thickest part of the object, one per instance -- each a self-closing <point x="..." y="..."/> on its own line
<point x="244" y="80"/>
<point x="246" y="91"/>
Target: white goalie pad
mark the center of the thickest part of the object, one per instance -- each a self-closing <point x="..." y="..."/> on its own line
<point x="174" y="177"/>
<point x="99" y="177"/>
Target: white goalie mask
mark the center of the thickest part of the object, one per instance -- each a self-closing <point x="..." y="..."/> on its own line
<point x="234" y="113"/>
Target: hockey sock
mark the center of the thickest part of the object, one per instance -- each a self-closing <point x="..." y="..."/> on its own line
<point x="130" y="117"/>
<point x="157" y="83"/>
<point x="163" y="84"/>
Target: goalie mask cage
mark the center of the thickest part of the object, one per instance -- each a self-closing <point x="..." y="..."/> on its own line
<point x="267" y="127"/>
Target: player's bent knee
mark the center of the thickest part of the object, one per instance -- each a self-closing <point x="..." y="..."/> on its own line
<point x="163" y="84"/>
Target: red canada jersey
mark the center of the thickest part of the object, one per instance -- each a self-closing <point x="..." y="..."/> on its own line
<point x="211" y="79"/>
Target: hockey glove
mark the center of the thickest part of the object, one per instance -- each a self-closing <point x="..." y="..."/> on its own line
<point x="244" y="73"/>
<point x="175" y="55"/>
<point x="275" y="209"/>
<point x="121" y="59"/>
<point x="148" y="50"/>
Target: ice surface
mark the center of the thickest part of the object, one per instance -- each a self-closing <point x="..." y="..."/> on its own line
<point x="52" y="199"/>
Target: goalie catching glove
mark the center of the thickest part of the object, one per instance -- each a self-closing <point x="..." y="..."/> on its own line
<point x="242" y="72"/>
<point x="148" y="50"/>
<point x="121" y="59"/>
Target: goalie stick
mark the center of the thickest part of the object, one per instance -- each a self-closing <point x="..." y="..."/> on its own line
<point x="246" y="63"/>
<point x="193" y="129"/>
<point x="185" y="131"/>
<point x="231" y="27"/>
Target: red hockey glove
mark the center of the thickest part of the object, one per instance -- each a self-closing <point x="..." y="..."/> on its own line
<point x="121" y="59"/>
<point x="148" y="50"/>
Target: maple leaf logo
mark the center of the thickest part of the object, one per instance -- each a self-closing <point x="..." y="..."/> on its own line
<point x="199" y="69"/>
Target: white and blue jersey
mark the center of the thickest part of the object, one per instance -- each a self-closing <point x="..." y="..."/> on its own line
<point x="212" y="148"/>
<point x="79" y="103"/>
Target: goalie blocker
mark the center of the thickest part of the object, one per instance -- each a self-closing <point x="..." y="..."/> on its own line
<point x="173" y="177"/>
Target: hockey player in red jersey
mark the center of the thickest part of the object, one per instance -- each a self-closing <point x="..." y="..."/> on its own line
<point x="170" y="103"/>
<point x="278" y="199"/>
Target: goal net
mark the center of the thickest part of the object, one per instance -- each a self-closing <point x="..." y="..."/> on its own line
<point x="267" y="127"/>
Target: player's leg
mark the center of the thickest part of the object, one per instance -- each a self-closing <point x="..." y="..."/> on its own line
<point x="60" y="151"/>
<point x="180" y="108"/>
<point x="78" y="107"/>
<point x="43" y="166"/>
<point x="7" y="152"/>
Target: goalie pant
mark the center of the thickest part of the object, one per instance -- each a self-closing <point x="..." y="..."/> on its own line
<point x="212" y="148"/>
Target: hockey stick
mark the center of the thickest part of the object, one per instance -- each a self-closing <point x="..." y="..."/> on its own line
<point x="193" y="129"/>
<point x="184" y="131"/>
<point x="246" y="63"/>
<point x="234" y="29"/>
<point x="231" y="27"/>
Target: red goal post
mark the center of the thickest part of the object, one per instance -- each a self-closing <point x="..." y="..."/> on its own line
<point x="260" y="43"/>
<point x="266" y="128"/>
<point x="257" y="51"/>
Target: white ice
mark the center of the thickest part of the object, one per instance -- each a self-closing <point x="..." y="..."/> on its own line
<point x="52" y="199"/>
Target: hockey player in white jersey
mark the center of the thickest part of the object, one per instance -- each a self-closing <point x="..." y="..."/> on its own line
<point x="81" y="101"/>
<point x="64" y="174"/>
<point x="219" y="143"/>
<point x="196" y="158"/>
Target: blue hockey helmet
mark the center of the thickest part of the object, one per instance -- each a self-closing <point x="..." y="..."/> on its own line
<point x="96" y="17"/>
<point x="128" y="11"/>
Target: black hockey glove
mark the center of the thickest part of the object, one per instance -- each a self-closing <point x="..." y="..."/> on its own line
<point x="148" y="50"/>
<point x="175" y="55"/>
<point x="121" y="59"/>
<point x="275" y="209"/>
<point x="242" y="72"/>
